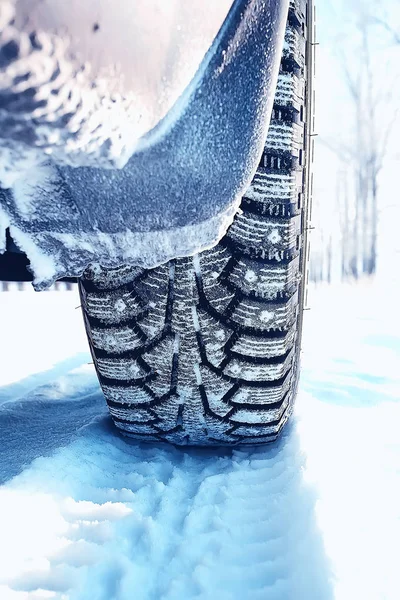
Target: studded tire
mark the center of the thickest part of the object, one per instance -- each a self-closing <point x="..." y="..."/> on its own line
<point x="205" y="350"/>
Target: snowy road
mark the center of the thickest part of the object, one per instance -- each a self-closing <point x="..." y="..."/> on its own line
<point x="87" y="516"/>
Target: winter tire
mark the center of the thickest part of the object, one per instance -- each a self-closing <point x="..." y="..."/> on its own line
<point x="205" y="350"/>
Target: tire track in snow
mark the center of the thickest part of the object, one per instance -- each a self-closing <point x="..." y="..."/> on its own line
<point x="161" y="523"/>
<point x="248" y="530"/>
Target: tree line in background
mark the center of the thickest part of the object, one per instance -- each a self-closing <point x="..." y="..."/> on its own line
<point x="23" y="286"/>
<point x="372" y="113"/>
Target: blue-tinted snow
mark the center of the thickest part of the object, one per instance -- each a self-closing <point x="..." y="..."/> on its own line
<point x="86" y="515"/>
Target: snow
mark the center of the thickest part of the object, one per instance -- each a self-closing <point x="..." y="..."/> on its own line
<point x="195" y="318"/>
<point x="42" y="337"/>
<point x="43" y="265"/>
<point x="148" y="248"/>
<point x="86" y="514"/>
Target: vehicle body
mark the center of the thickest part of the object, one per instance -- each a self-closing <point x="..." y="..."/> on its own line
<point x="147" y="169"/>
<point x="131" y="181"/>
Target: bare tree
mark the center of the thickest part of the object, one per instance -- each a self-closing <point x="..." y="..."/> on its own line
<point x="362" y="155"/>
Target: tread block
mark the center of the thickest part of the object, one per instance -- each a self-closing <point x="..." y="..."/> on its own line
<point x="214" y="337"/>
<point x="264" y="315"/>
<point x="261" y="395"/>
<point x="127" y="395"/>
<point x="285" y="138"/>
<point x="265" y="281"/>
<point x="258" y="231"/>
<point x="115" y="339"/>
<point x="250" y="371"/>
<point x="289" y="90"/>
<point x="99" y="278"/>
<point x="294" y="48"/>
<point x="110" y="307"/>
<point x="138" y="415"/>
<point x="154" y="284"/>
<point x="274" y="195"/>
<point x="169" y="413"/>
<point x="124" y="369"/>
<point x="212" y="263"/>
<point x="256" y="347"/>
<point x="141" y="428"/>
<point x="252" y="429"/>
<point x="259" y="416"/>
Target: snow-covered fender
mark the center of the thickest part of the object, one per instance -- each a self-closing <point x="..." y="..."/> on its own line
<point x="182" y="180"/>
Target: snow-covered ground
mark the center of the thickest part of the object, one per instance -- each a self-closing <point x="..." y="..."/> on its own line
<point x="85" y="515"/>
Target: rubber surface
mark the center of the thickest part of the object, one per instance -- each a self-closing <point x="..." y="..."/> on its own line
<point x="205" y="350"/>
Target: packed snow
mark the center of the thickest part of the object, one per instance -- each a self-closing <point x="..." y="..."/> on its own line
<point x="87" y="515"/>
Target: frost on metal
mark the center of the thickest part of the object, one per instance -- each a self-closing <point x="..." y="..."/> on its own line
<point x="85" y="180"/>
